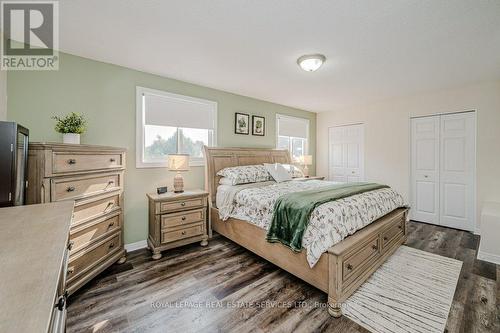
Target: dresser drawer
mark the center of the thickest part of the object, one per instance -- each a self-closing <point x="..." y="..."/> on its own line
<point x="182" y="218"/>
<point x="95" y="255"/>
<point x="360" y="257"/>
<point x="91" y="209"/>
<point x="393" y="232"/>
<point x="173" y="206"/>
<point x="191" y="231"/>
<point x="81" y="187"/>
<point x="94" y="230"/>
<point x="78" y="162"/>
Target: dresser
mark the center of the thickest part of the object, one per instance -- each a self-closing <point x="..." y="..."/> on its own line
<point x="92" y="176"/>
<point x="34" y="252"/>
<point x="176" y="219"/>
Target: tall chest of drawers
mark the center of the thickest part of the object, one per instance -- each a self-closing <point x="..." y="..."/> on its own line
<point x="92" y="176"/>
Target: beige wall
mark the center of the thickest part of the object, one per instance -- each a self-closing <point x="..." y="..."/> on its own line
<point x="387" y="135"/>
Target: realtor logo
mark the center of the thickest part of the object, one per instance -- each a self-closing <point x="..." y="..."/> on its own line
<point x="30" y="35"/>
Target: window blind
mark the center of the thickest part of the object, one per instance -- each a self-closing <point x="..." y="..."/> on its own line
<point x="178" y="112"/>
<point x="292" y="126"/>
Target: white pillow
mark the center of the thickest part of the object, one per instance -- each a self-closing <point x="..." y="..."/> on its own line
<point x="277" y="171"/>
<point x="245" y="174"/>
<point x="293" y="170"/>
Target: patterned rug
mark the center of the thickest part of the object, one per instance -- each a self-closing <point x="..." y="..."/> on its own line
<point x="411" y="292"/>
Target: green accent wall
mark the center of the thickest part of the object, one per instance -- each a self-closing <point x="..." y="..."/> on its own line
<point x="105" y="94"/>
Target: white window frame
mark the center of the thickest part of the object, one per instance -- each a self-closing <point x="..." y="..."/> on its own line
<point x="140" y="123"/>
<point x="306" y="121"/>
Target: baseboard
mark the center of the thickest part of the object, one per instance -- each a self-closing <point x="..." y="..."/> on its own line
<point x="493" y="258"/>
<point x="136" y="246"/>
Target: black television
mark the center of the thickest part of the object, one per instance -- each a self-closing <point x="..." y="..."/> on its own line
<point x="13" y="164"/>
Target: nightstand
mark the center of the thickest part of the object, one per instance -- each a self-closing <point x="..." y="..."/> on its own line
<point x="176" y="219"/>
<point x="309" y="178"/>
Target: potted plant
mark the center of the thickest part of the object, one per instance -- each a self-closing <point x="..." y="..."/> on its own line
<point x="71" y="126"/>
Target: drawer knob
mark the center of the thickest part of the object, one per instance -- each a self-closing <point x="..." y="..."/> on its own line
<point x="385" y="238"/>
<point x="111" y="224"/>
<point x="70" y="189"/>
<point x="400" y="226"/>
<point x="61" y="303"/>
<point x="375" y="247"/>
<point x="70" y="245"/>
<point x="112" y="160"/>
<point x="349" y="267"/>
<point x="183" y="233"/>
<point x="183" y="218"/>
<point x="109" y="206"/>
<point x="183" y="204"/>
<point x="71" y="270"/>
<point x="71" y="161"/>
<point x="112" y="245"/>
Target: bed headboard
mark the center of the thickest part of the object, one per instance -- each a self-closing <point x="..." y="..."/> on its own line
<point x="219" y="158"/>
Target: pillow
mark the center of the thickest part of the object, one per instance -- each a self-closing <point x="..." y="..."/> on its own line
<point x="293" y="170"/>
<point x="278" y="172"/>
<point x="245" y="174"/>
<point x="225" y="181"/>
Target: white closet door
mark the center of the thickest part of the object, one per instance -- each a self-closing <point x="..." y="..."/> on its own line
<point x="346" y="145"/>
<point x="425" y="169"/>
<point x="457" y="170"/>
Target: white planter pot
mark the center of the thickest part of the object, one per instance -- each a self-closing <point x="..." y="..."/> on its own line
<point x="71" y="138"/>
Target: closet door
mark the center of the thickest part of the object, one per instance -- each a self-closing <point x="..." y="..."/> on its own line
<point x="346" y="150"/>
<point x="425" y="169"/>
<point x="457" y="170"/>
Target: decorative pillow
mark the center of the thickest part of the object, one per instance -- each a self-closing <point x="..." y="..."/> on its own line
<point x="293" y="170"/>
<point x="225" y="181"/>
<point x="277" y="171"/>
<point x="245" y="174"/>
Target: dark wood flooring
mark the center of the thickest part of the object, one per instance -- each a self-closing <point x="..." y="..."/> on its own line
<point x="225" y="288"/>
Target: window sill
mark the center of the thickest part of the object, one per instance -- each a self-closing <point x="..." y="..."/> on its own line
<point x="149" y="165"/>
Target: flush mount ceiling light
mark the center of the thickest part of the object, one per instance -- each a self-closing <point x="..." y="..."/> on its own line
<point x="311" y="62"/>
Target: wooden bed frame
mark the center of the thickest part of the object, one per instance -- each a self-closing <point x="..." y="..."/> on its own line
<point x="340" y="270"/>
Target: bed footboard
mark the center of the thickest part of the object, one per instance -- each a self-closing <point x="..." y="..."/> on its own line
<point x="352" y="261"/>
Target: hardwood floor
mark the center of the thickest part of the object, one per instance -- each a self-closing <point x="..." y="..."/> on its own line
<point x="198" y="289"/>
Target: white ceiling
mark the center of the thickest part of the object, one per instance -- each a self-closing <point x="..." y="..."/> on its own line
<point x="375" y="49"/>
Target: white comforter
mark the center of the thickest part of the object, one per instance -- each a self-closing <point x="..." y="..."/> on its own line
<point x="329" y="223"/>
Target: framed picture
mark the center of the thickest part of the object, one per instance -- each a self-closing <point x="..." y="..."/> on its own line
<point x="258" y="125"/>
<point x="242" y="123"/>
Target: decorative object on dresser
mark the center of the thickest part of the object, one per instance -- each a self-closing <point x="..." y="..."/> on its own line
<point x="258" y="126"/>
<point x="178" y="163"/>
<point x="92" y="176"/>
<point x="177" y="219"/>
<point x="34" y="246"/>
<point x="306" y="160"/>
<point x="71" y="126"/>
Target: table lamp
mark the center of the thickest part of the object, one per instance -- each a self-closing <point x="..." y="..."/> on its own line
<point x="178" y="163"/>
<point x="306" y="160"/>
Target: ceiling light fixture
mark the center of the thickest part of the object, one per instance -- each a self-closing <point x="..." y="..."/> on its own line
<point x="311" y="62"/>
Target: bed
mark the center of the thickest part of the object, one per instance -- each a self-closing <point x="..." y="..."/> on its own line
<point x="341" y="269"/>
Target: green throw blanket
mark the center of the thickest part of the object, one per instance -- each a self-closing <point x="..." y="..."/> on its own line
<point x="292" y="211"/>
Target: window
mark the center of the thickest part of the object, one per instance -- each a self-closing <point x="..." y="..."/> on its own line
<point x="170" y="124"/>
<point x="292" y="134"/>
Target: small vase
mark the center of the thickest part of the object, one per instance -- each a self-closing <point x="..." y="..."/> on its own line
<point x="71" y="138"/>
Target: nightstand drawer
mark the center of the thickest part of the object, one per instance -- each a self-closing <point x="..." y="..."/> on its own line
<point x="171" y="236"/>
<point x="166" y="207"/>
<point x="182" y="218"/>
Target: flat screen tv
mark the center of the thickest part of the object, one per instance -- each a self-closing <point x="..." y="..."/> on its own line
<point x="13" y="164"/>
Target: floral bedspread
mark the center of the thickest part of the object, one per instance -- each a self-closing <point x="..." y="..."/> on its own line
<point x="330" y="223"/>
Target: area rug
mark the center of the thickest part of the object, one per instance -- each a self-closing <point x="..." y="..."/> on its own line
<point x="411" y="292"/>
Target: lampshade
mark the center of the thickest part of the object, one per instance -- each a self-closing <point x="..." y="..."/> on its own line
<point x="178" y="162"/>
<point x="306" y="159"/>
